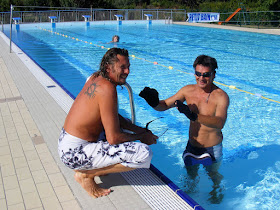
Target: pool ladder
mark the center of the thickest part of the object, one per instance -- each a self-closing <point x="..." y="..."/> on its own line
<point x="188" y="200"/>
<point x="168" y="20"/>
<point x="131" y="102"/>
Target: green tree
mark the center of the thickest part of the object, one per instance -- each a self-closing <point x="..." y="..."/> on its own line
<point x="193" y="5"/>
<point x="5" y="5"/>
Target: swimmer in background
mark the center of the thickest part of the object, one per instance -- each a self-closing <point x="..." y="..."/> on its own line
<point x="206" y="109"/>
<point x="115" y="39"/>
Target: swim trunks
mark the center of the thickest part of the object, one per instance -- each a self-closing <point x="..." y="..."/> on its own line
<point x="206" y="156"/>
<point x="80" y="154"/>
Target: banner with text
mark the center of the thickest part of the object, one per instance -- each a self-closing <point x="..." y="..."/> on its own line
<point x="203" y="17"/>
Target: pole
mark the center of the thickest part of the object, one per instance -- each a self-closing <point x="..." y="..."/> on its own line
<point x="91" y="16"/>
<point x="11" y="19"/>
<point x="2" y="21"/>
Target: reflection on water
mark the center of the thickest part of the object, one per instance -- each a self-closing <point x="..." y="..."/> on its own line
<point x="249" y="175"/>
<point x="216" y="195"/>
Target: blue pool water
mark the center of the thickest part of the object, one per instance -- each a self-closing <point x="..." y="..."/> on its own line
<point x="248" y="61"/>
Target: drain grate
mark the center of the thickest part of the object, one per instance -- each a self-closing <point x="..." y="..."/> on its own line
<point x="51" y="86"/>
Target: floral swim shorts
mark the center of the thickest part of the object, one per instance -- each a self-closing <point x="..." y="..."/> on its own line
<point x="80" y="154"/>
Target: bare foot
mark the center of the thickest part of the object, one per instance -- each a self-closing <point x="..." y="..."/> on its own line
<point x="90" y="186"/>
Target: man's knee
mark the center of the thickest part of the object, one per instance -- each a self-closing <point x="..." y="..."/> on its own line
<point x="141" y="159"/>
<point x="147" y="155"/>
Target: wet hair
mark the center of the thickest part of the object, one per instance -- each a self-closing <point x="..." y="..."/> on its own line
<point x="207" y="61"/>
<point x="110" y="58"/>
<point x="116" y="37"/>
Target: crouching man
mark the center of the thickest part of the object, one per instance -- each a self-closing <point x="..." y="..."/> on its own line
<point x="92" y="141"/>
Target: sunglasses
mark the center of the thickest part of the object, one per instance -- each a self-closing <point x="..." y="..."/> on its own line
<point x="206" y="74"/>
<point x="148" y="123"/>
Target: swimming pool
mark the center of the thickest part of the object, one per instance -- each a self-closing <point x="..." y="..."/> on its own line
<point x="247" y="61"/>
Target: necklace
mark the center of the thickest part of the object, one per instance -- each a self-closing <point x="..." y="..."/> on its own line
<point x="107" y="78"/>
<point x="110" y="80"/>
<point x="209" y="95"/>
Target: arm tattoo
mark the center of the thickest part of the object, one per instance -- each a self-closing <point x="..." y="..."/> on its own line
<point x="91" y="90"/>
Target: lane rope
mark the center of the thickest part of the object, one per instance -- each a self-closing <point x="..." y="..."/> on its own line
<point x="158" y="64"/>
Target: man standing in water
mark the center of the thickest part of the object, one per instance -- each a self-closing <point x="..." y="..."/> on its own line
<point x="206" y="108"/>
<point x="92" y="141"/>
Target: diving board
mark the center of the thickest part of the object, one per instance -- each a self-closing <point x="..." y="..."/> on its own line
<point x="149" y="18"/>
<point x="52" y="18"/>
<point x="16" y="20"/>
<point x="119" y="18"/>
<point x="86" y="17"/>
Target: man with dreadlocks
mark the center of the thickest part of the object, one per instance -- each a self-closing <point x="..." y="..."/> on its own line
<point x="92" y="141"/>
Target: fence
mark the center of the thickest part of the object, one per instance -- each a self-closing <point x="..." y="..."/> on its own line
<point x="96" y="15"/>
<point x="242" y="18"/>
<point x="255" y="19"/>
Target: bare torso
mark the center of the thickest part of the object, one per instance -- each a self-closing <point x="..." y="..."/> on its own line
<point x="204" y="103"/>
<point x="83" y="119"/>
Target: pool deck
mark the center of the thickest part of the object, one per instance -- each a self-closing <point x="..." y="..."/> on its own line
<point x="274" y="31"/>
<point x="31" y="174"/>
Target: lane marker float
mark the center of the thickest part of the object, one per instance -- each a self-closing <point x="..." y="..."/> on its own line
<point x="156" y="63"/>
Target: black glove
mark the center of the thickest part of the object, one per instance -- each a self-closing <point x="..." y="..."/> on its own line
<point x="185" y="110"/>
<point x="150" y="95"/>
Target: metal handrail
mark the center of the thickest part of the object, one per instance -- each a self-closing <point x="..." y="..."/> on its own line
<point x="97" y="14"/>
<point x="131" y="101"/>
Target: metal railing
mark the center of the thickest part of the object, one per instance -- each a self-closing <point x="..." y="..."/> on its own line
<point x="242" y="18"/>
<point x="131" y="102"/>
<point x="254" y="19"/>
<point x="96" y="15"/>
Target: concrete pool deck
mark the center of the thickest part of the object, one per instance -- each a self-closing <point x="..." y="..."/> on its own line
<point x="236" y="28"/>
<point x="31" y="174"/>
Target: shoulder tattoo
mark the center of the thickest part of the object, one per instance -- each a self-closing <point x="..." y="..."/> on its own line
<point x="91" y="90"/>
